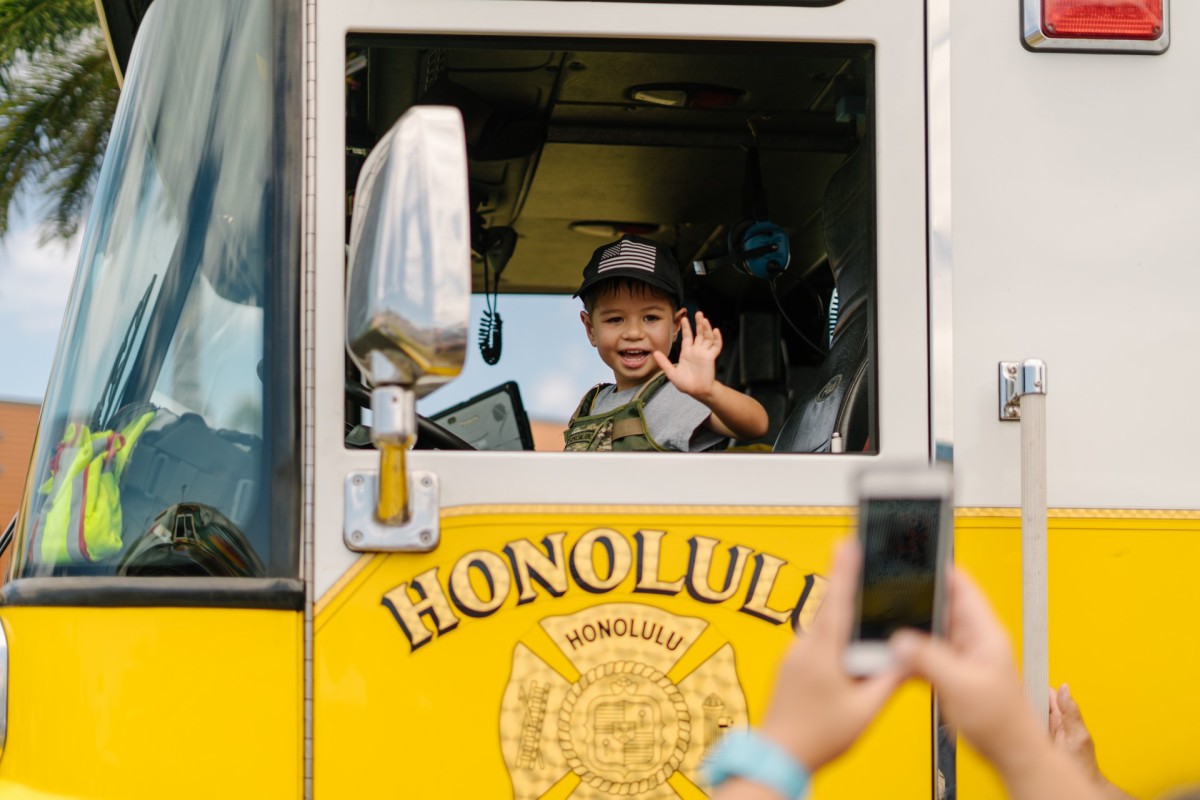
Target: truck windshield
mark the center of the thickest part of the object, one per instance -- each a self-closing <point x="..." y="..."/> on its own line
<point x="153" y="449"/>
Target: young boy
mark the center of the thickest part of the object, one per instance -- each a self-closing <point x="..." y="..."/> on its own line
<point x="632" y="294"/>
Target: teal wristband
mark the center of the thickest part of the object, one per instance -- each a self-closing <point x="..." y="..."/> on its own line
<point x="745" y="754"/>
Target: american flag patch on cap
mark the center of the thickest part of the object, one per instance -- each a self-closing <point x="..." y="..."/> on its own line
<point x="627" y="255"/>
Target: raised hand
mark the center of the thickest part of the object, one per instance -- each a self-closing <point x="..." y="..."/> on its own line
<point x="980" y="693"/>
<point x="696" y="372"/>
<point x="1071" y="736"/>
<point x="818" y="709"/>
<point x="974" y="673"/>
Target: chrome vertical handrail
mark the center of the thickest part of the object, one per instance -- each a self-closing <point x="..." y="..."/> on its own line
<point x="1023" y="397"/>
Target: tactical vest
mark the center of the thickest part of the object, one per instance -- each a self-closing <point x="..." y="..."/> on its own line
<point x="622" y="430"/>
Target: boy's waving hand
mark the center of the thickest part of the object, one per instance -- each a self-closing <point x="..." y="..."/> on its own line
<point x="734" y="414"/>
<point x="696" y="372"/>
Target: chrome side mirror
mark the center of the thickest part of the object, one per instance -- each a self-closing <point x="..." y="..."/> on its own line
<point x="409" y="284"/>
<point x="407" y="306"/>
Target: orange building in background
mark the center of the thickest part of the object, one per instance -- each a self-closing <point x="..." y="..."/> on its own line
<point x="547" y="435"/>
<point x="18" y="423"/>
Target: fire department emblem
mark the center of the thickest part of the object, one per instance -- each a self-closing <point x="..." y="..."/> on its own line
<point x="617" y="700"/>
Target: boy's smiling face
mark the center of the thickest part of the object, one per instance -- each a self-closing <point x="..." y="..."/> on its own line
<point x="626" y="325"/>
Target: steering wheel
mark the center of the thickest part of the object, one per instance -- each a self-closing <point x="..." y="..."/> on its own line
<point x="430" y="435"/>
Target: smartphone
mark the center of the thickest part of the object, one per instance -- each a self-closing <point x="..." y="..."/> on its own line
<point x="906" y="530"/>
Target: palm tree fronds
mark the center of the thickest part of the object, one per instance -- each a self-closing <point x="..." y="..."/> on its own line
<point x="53" y="132"/>
<point x="28" y="27"/>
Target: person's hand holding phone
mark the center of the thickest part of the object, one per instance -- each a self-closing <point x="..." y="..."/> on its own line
<point x="974" y="672"/>
<point x="979" y="692"/>
<point x="818" y="709"/>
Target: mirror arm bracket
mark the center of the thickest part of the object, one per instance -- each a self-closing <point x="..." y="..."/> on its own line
<point x="394" y="430"/>
<point x="393" y="510"/>
<point x="364" y="533"/>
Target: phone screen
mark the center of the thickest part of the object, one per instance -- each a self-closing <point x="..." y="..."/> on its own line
<point x="899" y="539"/>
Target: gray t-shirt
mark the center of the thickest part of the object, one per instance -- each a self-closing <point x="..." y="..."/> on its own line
<point x="674" y="419"/>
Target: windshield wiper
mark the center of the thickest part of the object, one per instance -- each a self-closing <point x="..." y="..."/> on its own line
<point x="109" y="395"/>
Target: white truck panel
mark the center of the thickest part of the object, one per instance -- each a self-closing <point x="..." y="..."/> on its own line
<point x="1075" y="241"/>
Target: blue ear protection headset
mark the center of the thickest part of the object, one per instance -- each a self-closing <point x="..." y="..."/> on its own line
<point x="760" y="249"/>
<point x="756" y="246"/>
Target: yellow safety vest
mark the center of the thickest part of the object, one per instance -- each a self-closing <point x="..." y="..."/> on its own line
<point x="80" y="516"/>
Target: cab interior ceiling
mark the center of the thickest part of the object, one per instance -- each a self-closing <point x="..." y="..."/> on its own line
<point x="556" y="138"/>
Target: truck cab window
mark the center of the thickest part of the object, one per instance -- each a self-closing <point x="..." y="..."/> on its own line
<point x="153" y="453"/>
<point x="762" y="188"/>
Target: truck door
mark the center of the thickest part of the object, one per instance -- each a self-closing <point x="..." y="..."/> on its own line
<point x="588" y="625"/>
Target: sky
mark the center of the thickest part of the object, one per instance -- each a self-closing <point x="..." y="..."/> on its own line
<point x="544" y="350"/>
<point x="34" y="284"/>
<point x="544" y="347"/>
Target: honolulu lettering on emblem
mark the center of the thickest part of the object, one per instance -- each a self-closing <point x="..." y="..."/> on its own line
<point x="600" y="561"/>
<point x="644" y="697"/>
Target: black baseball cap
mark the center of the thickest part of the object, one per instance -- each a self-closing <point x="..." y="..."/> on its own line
<point x="638" y="258"/>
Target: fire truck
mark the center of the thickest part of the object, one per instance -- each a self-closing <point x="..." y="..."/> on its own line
<point x="929" y="230"/>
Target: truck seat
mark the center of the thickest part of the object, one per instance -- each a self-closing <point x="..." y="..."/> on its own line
<point x="841" y="397"/>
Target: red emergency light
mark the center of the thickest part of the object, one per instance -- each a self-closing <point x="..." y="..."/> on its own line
<point x="1124" y="26"/>
<point x="1103" y="19"/>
